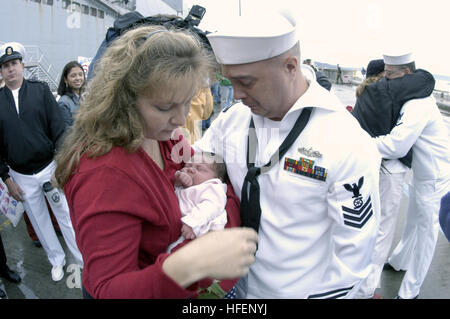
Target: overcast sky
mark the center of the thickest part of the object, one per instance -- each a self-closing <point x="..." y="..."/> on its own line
<point x="353" y="32"/>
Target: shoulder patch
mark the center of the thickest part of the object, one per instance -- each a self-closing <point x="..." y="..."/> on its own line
<point x="358" y="217"/>
<point x="357" y="204"/>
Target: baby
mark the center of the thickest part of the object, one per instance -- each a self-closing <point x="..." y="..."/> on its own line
<point x="202" y="195"/>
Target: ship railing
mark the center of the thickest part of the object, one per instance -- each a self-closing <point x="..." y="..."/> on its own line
<point x="39" y="67"/>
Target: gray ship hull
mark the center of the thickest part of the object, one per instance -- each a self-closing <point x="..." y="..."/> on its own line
<point x="62" y="30"/>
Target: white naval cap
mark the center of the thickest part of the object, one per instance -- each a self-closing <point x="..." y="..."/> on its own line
<point x="398" y="57"/>
<point x="10" y="51"/>
<point x="252" y="38"/>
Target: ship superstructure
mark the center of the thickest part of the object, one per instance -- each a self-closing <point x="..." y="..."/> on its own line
<point x="55" y="32"/>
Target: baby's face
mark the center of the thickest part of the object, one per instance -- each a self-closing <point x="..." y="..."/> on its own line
<point x="199" y="172"/>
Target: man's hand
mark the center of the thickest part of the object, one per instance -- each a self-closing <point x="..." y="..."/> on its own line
<point x="14" y="189"/>
<point x="187" y="232"/>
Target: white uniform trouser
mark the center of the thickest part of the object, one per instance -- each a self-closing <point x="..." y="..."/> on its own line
<point x="391" y="185"/>
<point x="39" y="216"/>
<point x="415" y="251"/>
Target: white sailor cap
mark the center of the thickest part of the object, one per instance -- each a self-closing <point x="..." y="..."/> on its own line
<point x="10" y="51"/>
<point x="398" y="57"/>
<point x="252" y="38"/>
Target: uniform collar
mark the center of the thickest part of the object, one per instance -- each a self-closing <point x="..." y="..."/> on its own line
<point x="20" y="88"/>
<point x="317" y="96"/>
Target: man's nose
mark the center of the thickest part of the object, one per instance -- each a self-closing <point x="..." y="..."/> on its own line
<point x="238" y="93"/>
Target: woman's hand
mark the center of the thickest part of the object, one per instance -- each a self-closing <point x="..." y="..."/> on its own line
<point x="15" y="190"/>
<point x="222" y="254"/>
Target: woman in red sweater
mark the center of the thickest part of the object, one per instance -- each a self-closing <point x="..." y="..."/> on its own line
<point x="117" y="169"/>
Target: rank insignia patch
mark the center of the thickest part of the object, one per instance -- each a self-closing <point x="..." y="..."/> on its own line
<point x="361" y="211"/>
<point x="305" y="167"/>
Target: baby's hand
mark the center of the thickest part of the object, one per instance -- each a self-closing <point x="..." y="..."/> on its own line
<point x="187" y="232"/>
<point x="182" y="179"/>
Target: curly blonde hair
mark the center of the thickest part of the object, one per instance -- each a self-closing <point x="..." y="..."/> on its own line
<point x="148" y="60"/>
<point x="371" y="79"/>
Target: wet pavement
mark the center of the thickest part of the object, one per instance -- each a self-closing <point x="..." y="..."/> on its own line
<point x="32" y="265"/>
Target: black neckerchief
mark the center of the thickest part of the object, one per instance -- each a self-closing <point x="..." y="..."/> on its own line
<point x="250" y="205"/>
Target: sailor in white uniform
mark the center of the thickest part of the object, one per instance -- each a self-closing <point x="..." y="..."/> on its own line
<point x="420" y="126"/>
<point x="316" y="202"/>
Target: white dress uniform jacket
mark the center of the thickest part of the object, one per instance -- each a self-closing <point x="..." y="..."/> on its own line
<point x="316" y="234"/>
<point x="421" y="127"/>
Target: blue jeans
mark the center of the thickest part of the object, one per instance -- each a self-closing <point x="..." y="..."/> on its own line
<point x="206" y="124"/>
<point x="215" y="90"/>
<point x="226" y="93"/>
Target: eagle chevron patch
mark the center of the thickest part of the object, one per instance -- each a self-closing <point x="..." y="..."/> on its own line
<point x="358" y="217"/>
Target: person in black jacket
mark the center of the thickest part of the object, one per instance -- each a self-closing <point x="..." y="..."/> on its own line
<point x="321" y="78"/>
<point x="339" y="75"/>
<point x="31" y="127"/>
<point x="377" y="109"/>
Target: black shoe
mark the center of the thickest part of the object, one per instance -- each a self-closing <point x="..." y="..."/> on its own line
<point x="398" y="297"/>
<point x="10" y="275"/>
<point x="2" y="294"/>
<point x="388" y="266"/>
<point x="37" y="243"/>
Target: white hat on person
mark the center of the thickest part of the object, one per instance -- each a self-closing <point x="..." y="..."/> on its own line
<point x="253" y="38"/>
<point x="398" y="57"/>
<point x="10" y="51"/>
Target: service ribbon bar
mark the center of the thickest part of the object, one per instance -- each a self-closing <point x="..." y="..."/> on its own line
<point x="305" y="167"/>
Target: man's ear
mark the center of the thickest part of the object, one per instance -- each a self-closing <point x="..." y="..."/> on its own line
<point x="291" y="63"/>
